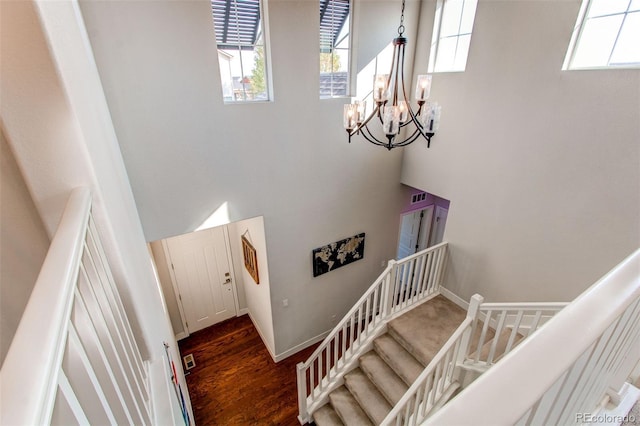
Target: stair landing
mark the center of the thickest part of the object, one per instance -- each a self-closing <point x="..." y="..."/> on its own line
<point x="426" y="328"/>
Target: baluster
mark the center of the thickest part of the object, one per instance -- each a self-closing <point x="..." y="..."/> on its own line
<point x="76" y="345"/>
<point x="428" y="391"/>
<point x="440" y="265"/>
<point x="321" y="370"/>
<point x="483" y="335"/>
<point x="336" y="352"/>
<point x="376" y="313"/>
<point x="352" y="333"/>
<point x="367" y="316"/>
<point x="81" y="312"/>
<point x="424" y="289"/>
<point x="72" y="400"/>
<point x="407" y="412"/>
<point x="436" y="384"/>
<point x="514" y="332"/>
<point x="534" y="324"/>
<point x="312" y="376"/>
<point x="344" y="341"/>
<point x="427" y="272"/>
<point x="416" y="407"/>
<point x="494" y="344"/>
<point x="327" y="365"/>
<point x="360" y="324"/>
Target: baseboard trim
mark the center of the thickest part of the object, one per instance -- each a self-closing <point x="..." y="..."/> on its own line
<point x="242" y="312"/>
<point x="454" y="298"/>
<point x="302" y="346"/>
<point x="182" y="335"/>
<point x="264" y="340"/>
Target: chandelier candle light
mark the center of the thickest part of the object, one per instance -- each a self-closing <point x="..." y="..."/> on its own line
<point x="392" y="108"/>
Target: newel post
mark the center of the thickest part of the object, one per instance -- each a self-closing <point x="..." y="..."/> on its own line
<point x="388" y="287"/>
<point x="472" y="313"/>
<point x="303" y="415"/>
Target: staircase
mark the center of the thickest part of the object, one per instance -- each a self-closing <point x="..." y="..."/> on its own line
<point x="385" y="373"/>
<point x="405" y="348"/>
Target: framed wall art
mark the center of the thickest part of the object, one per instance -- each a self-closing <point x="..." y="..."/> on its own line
<point x="338" y="254"/>
<point x="250" y="259"/>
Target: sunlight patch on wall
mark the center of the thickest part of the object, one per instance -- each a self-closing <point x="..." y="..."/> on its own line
<point x="217" y="218"/>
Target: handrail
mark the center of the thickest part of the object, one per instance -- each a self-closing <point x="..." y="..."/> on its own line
<point x="73" y="359"/>
<point x="543" y="306"/>
<point x="401" y="285"/>
<point x="596" y="332"/>
<point x="27" y="393"/>
<point x="348" y="315"/>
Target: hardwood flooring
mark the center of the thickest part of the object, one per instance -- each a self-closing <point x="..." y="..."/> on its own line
<point x="235" y="381"/>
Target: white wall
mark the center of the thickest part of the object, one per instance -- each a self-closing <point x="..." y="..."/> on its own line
<point x="542" y="166"/>
<point x="23" y="246"/>
<point x="57" y="122"/>
<point x="258" y="296"/>
<point x="287" y="160"/>
<point x="164" y="275"/>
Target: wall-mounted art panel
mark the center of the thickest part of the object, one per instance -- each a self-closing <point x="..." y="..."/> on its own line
<point x="335" y="255"/>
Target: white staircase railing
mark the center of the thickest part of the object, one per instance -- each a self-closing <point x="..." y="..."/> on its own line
<point x="403" y="284"/>
<point x="73" y="359"/>
<point x="584" y="354"/>
<point x="518" y="320"/>
<point x="441" y="378"/>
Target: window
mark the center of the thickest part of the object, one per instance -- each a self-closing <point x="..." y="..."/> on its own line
<point x="451" y="35"/>
<point x="241" y="49"/>
<point x="606" y="35"/>
<point x="334" y="48"/>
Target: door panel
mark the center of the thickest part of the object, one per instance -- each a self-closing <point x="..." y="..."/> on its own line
<point x="202" y="271"/>
<point x="414" y="231"/>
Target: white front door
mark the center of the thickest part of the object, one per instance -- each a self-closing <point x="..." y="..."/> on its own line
<point x="203" y="275"/>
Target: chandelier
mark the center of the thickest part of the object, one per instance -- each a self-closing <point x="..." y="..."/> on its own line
<point x="392" y="107"/>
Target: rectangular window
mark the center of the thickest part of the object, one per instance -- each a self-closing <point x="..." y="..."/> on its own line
<point x="605" y="36"/>
<point x="334" y="48"/>
<point x="241" y="49"/>
<point x="452" y="35"/>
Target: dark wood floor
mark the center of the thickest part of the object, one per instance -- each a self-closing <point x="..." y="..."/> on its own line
<point x="235" y="381"/>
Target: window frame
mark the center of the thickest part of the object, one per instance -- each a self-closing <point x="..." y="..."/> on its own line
<point x="436" y="37"/>
<point x="262" y="33"/>
<point x="578" y="32"/>
<point x="349" y="21"/>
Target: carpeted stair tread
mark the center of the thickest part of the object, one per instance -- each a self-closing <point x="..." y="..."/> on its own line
<point x="503" y="340"/>
<point x="424" y="329"/>
<point x="396" y="356"/>
<point x="383" y="377"/>
<point x="367" y="394"/>
<point x="475" y="339"/>
<point x="348" y="408"/>
<point x="326" y="416"/>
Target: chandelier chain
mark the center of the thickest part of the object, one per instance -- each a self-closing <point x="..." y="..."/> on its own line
<point x="401" y="27"/>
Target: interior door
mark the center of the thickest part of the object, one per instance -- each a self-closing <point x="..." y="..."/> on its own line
<point x="438" y="226"/>
<point x="202" y="271"/>
<point x="414" y="231"/>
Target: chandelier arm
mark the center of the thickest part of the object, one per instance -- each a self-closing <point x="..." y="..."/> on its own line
<point x="366" y="133"/>
<point x="414" y="137"/>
